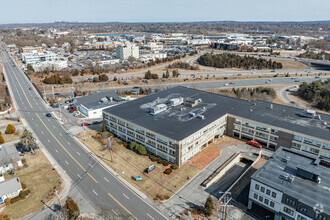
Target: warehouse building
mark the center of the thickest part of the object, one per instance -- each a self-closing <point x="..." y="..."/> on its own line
<point x="292" y="185"/>
<point x="178" y="123"/>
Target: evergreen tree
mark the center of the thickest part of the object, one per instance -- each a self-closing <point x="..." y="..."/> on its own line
<point x="209" y="206"/>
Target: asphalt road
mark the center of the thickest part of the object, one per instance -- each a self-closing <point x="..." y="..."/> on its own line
<point x="98" y="186"/>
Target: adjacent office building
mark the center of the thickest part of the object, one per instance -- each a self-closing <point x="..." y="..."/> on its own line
<point x="292" y="185"/>
<point x="32" y="58"/>
<point x="127" y="50"/>
<point x="178" y="123"/>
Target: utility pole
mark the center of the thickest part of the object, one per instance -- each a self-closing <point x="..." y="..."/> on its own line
<point x="72" y="91"/>
<point x="110" y="149"/>
<point x="59" y="201"/>
<point x="53" y="91"/>
<point x="45" y="92"/>
<point x="84" y="132"/>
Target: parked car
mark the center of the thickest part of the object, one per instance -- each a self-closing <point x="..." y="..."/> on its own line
<point x="48" y="115"/>
<point x="255" y="144"/>
<point x="76" y="114"/>
<point x="72" y="110"/>
<point x="96" y="122"/>
<point x="85" y="124"/>
<point x="30" y="88"/>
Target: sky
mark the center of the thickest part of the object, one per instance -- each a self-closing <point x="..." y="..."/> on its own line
<point x="45" y="11"/>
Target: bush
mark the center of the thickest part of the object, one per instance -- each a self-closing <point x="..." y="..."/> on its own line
<point x="10" y="129"/>
<point x="132" y="145"/>
<point x="27" y="192"/>
<point x="165" y="163"/>
<point x="15" y="199"/>
<point x="153" y="158"/>
<point x="168" y="171"/>
<point x="159" y="160"/>
<point x="22" y="194"/>
<point x="1" y="139"/>
<point x="175" y="166"/>
<point x="141" y="150"/>
<point x="23" y="160"/>
<point x="7" y="201"/>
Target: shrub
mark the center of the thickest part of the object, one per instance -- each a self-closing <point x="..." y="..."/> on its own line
<point x="1" y="139"/>
<point x="15" y="199"/>
<point x="7" y="201"/>
<point x="165" y="163"/>
<point x="27" y="192"/>
<point x="23" y="160"/>
<point x="152" y="158"/>
<point x="10" y="129"/>
<point x="22" y="194"/>
<point x="209" y="206"/>
<point x="175" y="166"/>
<point x="168" y="171"/>
<point x="159" y="160"/>
<point x="141" y="150"/>
<point x="132" y="145"/>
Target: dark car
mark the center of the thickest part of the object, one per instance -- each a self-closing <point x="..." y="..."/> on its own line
<point x="30" y="88"/>
<point x="48" y="115"/>
<point x="96" y="122"/>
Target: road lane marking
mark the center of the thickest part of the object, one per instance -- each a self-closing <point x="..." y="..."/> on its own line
<point x="106" y="179"/>
<point x="78" y="153"/>
<point x="90" y="164"/>
<point x="66" y="162"/>
<point x="53" y="126"/>
<point x="122" y="206"/>
<point x="61" y="135"/>
<point x="48" y="140"/>
<point x="78" y="176"/>
<point x="21" y="87"/>
<point x="114" y="212"/>
<point x="125" y="196"/>
<point x="67" y="151"/>
<point x="42" y="132"/>
<point x="32" y="119"/>
<point x="36" y="125"/>
<point x="94" y="192"/>
<point x="69" y="143"/>
<point x="150" y="216"/>
<point x="56" y="151"/>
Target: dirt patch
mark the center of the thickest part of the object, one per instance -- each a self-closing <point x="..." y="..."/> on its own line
<point x="204" y="158"/>
<point x="128" y="164"/>
<point x="40" y="178"/>
<point x="12" y="137"/>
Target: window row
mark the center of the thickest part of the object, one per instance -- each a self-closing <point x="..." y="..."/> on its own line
<point x="263" y="190"/>
<point x="264" y="200"/>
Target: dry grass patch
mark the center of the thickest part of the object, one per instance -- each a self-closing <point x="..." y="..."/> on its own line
<point x="12" y="137"/>
<point x="129" y="165"/>
<point x="40" y="178"/>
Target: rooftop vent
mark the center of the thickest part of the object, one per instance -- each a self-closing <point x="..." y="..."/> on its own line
<point x="201" y="116"/>
<point x="285" y="159"/>
<point x="251" y="110"/>
<point x="271" y="106"/>
<point x="287" y="177"/>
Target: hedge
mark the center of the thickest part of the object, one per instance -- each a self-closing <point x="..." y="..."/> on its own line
<point x="10" y="129"/>
<point x="15" y="199"/>
<point x="7" y="201"/>
<point x="175" y="166"/>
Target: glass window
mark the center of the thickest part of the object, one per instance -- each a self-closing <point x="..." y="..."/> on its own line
<point x="297" y="138"/>
<point x="261" y="198"/>
<point x="301" y="218"/>
<point x="266" y="201"/>
<point x="268" y="192"/>
<point x="255" y="196"/>
<point x="274" y="194"/>
<point x="326" y="146"/>
<point x="257" y="187"/>
<point x="288" y="211"/>
<point x="272" y="204"/>
<point x="262" y="189"/>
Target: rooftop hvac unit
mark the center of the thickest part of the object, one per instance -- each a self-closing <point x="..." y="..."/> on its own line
<point x="201" y="116"/>
<point x="285" y="159"/>
<point x="271" y="106"/>
<point x="290" y="178"/>
<point x="284" y="176"/>
<point x="192" y="114"/>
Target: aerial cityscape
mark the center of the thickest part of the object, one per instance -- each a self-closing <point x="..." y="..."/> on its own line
<point x="149" y="110"/>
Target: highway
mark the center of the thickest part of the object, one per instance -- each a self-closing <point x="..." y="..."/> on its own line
<point x="97" y="184"/>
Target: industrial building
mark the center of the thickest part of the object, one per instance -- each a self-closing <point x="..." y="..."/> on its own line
<point x="292" y="185"/>
<point x="91" y="106"/>
<point x="32" y="58"/>
<point x="127" y="50"/>
<point x="178" y="123"/>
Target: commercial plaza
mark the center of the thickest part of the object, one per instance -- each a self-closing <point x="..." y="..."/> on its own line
<point x="177" y="123"/>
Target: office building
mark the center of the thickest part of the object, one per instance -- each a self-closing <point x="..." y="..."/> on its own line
<point x="292" y="185"/>
<point x="177" y="132"/>
<point x="127" y="50"/>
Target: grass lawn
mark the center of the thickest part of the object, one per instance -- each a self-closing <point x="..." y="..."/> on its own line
<point x="129" y="164"/>
<point x="40" y="179"/>
<point x="12" y="137"/>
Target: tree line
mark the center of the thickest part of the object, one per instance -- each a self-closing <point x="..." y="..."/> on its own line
<point x="182" y="65"/>
<point x="312" y="55"/>
<point x="260" y="93"/>
<point x="57" y="79"/>
<point x="317" y="93"/>
<point x="227" y="60"/>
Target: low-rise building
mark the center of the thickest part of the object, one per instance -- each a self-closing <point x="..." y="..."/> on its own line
<point x="9" y="158"/>
<point x="292" y="185"/>
<point x="32" y="58"/>
<point x="9" y="189"/>
<point x="177" y="133"/>
<point x="50" y="65"/>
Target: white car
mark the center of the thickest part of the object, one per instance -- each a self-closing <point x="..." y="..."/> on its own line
<point x="76" y="114"/>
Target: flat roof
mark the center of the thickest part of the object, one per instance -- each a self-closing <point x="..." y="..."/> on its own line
<point x="92" y="101"/>
<point x="171" y="123"/>
<point x="306" y="191"/>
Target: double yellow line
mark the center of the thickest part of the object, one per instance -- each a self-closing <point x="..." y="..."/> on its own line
<point x="67" y="150"/>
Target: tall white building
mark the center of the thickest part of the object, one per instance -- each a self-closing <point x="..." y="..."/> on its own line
<point x="127" y="50"/>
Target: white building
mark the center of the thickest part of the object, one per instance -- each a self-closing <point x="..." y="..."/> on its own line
<point x="9" y="158"/>
<point x="9" y="189"/>
<point x="31" y="58"/>
<point x="51" y="65"/>
<point x="152" y="56"/>
<point x="153" y="46"/>
<point x="127" y="50"/>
